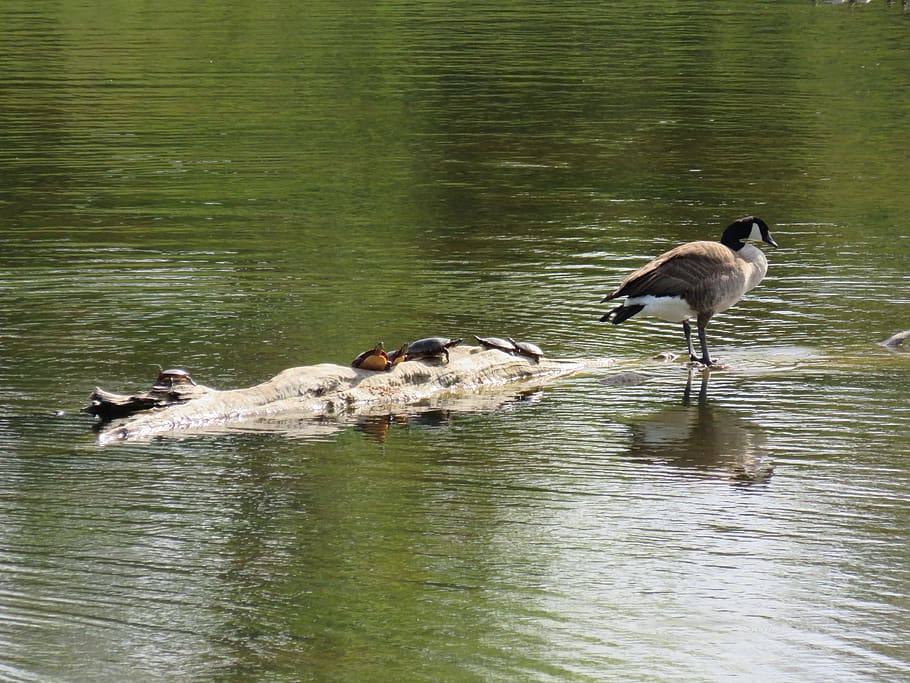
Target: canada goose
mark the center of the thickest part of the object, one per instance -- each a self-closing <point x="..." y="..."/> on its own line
<point x="696" y="280"/>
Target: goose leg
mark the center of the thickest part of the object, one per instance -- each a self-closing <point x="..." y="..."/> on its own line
<point x="705" y="358"/>
<point x="702" y="340"/>
<point x="687" y="330"/>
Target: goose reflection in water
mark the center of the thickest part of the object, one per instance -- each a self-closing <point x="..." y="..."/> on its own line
<point x="700" y="436"/>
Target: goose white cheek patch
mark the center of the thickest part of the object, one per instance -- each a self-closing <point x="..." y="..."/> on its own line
<point x="756" y="233"/>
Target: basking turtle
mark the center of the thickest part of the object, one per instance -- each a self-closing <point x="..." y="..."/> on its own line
<point x="527" y="349"/>
<point x="373" y="359"/>
<point x="431" y="347"/>
<point x="497" y="343"/>
<point x="399" y="355"/>
<point x="168" y="379"/>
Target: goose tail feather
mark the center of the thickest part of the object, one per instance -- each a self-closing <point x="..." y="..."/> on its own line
<point x="621" y="313"/>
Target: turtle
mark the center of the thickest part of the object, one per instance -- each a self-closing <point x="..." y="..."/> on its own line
<point x="527" y="349"/>
<point x="399" y="355"/>
<point x="497" y="343"/>
<point x="168" y="379"/>
<point x="372" y="359"/>
<point x="431" y="347"/>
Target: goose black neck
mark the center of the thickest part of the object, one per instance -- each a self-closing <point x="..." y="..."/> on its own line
<point x="733" y="237"/>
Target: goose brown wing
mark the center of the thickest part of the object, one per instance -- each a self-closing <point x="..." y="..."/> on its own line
<point x="678" y="271"/>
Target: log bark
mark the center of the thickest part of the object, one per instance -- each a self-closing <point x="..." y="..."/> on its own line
<point x="335" y="390"/>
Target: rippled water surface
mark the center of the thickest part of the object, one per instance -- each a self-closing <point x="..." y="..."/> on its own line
<point x="243" y="189"/>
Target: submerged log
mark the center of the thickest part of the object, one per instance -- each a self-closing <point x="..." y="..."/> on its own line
<point x="896" y="340"/>
<point x="331" y="390"/>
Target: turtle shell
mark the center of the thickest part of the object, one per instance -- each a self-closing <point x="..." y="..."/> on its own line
<point x="496" y="343"/>
<point x="399" y="355"/>
<point x="171" y="377"/>
<point x="527" y="349"/>
<point x="372" y="359"/>
<point x="431" y="347"/>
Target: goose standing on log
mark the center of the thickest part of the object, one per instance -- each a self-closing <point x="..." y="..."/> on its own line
<point x="696" y="280"/>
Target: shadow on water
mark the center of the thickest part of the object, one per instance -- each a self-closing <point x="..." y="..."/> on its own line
<point x="699" y="435"/>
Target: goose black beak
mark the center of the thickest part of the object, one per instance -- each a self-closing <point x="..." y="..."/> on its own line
<point x="770" y="240"/>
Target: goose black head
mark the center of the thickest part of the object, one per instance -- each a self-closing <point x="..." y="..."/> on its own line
<point x="750" y="228"/>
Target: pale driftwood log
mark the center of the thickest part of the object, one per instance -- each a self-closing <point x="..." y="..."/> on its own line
<point x="897" y="339"/>
<point x="335" y="390"/>
<point x="107" y="405"/>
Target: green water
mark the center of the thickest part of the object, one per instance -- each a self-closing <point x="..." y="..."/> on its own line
<point x="243" y="189"/>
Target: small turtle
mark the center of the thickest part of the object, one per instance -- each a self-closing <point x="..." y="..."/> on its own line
<point x="505" y="345"/>
<point x="527" y="349"/>
<point x="373" y="359"/>
<point x="431" y="347"/>
<point x="168" y="379"/>
<point x="399" y="355"/>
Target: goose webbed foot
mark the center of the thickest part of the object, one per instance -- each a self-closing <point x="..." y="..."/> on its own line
<point x="702" y="364"/>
